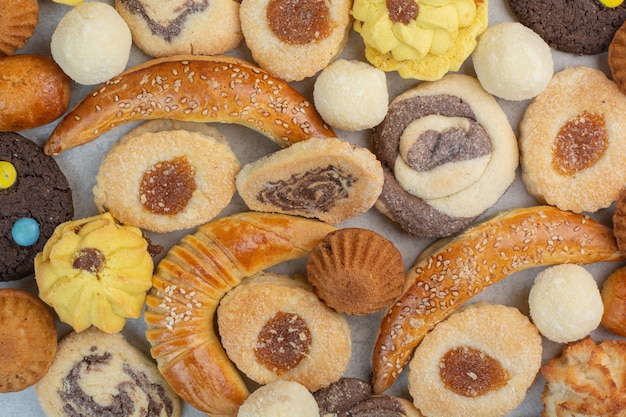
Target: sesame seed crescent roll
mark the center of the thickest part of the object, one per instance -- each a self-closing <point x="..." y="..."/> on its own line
<point x="451" y="271"/>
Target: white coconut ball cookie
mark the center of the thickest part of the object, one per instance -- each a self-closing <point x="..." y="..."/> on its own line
<point x="91" y="43"/>
<point x="351" y="95"/>
<point x="280" y="399"/>
<point x="565" y="303"/>
<point x="512" y="62"/>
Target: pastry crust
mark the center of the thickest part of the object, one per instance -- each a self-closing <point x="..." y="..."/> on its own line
<point x="188" y="285"/>
<point x="293" y="39"/>
<point x="454" y="270"/>
<point x="572" y="139"/>
<point x="498" y="384"/>
<point x="166" y="180"/>
<point x="192" y="88"/>
<point x="274" y="327"/>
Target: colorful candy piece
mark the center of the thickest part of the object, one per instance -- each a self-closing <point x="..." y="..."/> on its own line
<point x="25" y="231"/>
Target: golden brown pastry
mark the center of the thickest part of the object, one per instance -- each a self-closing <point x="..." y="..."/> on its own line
<point x="587" y="379"/>
<point x="34" y="90"/>
<point x="356" y="271"/>
<point x="572" y="138"/>
<point x="480" y="361"/>
<point x="188" y="285"/>
<point x="28" y="339"/>
<point x="451" y="271"/>
<point x="192" y="88"/>
<point x="274" y="327"/>
<point x="616" y="57"/>
<point x="614" y="300"/>
<point x="18" y="20"/>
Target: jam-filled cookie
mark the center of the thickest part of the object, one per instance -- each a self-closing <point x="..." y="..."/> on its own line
<point x="448" y="153"/>
<point x="165" y="180"/>
<point x="274" y="327"/>
<point x="419" y="39"/>
<point x="461" y="369"/>
<point x="35" y="196"/>
<point x="294" y="39"/>
<point x="583" y="27"/>
<point x="572" y="141"/>
<point x="98" y="374"/>
<point x="177" y="27"/>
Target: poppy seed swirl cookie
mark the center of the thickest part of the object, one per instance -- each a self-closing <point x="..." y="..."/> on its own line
<point x="448" y="154"/>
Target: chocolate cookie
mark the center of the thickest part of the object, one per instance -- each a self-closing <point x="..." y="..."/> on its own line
<point x="583" y="27"/>
<point x="35" y="197"/>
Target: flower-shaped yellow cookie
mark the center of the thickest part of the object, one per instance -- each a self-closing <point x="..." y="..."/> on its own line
<point x="95" y="271"/>
<point x="421" y="39"/>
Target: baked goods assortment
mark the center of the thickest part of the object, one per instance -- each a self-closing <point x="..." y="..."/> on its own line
<point x="96" y="373"/>
<point x="26" y="223"/>
<point x="448" y="152"/>
<point x="329" y="179"/>
<point x="351" y="264"/>
<point x="166" y="180"/>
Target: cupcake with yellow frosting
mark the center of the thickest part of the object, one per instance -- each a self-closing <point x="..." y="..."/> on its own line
<point x="95" y="271"/>
<point x="421" y="39"/>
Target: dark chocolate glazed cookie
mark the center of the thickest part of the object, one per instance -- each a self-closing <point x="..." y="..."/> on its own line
<point x="34" y="198"/>
<point x="583" y="27"/>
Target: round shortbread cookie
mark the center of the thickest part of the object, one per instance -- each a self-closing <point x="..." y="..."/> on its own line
<point x="97" y="373"/>
<point x="460" y="368"/>
<point x="166" y="180"/>
<point x="448" y="153"/>
<point x="280" y="398"/>
<point x="573" y="140"/>
<point x="292" y="39"/>
<point x="177" y="27"/>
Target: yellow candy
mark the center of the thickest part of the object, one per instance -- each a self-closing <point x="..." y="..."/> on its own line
<point x="611" y="3"/>
<point x="7" y="174"/>
<point x="69" y="2"/>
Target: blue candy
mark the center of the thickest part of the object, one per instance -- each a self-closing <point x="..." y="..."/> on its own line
<point x="25" y="231"/>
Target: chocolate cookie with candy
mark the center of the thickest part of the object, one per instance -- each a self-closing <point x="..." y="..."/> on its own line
<point x="35" y="197"/>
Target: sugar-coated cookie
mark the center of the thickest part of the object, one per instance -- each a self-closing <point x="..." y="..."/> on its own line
<point x="294" y="39"/>
<point x="512" y="62"/>
<point x="565" y="303"/>
<point x="96" y="374"/>
<point x="280" y="398"/>
<point x="91" y="43"/>
<point x="177" y="27"/>
<point x="28" y="339"/>
<point x="351" y="95"/>
<point x="461" y="368"/>
<point x="274" y="327"/>
<point x="35" y="196"/>
<point x="166" y="180"/>
<point x="583" y="27"/>
<point x="572" y="138"/>
<point x="448" y="153"/>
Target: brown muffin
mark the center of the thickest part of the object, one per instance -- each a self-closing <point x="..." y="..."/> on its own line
<point x="18" y="19"/>
<point x="28" y="339"/>
<point x="356" y="271"/>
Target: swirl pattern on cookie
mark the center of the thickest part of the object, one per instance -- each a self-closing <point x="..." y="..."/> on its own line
<point x="448" y="153"/>
<point x="164" y="28"/>
<point x="572" y="141"/>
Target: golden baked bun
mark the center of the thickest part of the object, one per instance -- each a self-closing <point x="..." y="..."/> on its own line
<point x="95" y="271"/>
<point x="614" y="299"/>
<point x="18" y="19"/>
<point x="356" y="271"/>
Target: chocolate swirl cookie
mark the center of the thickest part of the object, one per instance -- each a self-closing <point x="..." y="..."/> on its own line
<point x="448" y="153"/>
<point x="98" y="374"/>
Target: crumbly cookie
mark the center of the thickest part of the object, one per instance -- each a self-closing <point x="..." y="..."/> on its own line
<point x="274" y="327"/>
<point x="18" y="20"/>
<point x="166" y="180"/>
<point x="572" y="138"/>
<point x="294" y="39"/>
<point x="36" y="197"/>
<point x="96" y="373"/>
<point x="419" y="39"/>
<point x="325" y="178"/>
<point x="178" y="27"/>
<point x="587" y="379"/>
<point x="448" y="153"/>
<point x="461" y="369"/>
<point x="583" y="27"/>
<point x="280" y="398"/>
<point x="28" y="339"/>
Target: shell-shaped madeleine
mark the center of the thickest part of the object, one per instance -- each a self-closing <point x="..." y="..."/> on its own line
<point x="19" y="19"/>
